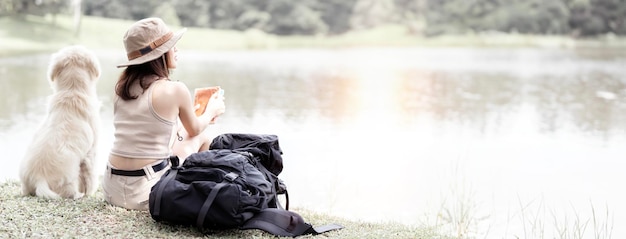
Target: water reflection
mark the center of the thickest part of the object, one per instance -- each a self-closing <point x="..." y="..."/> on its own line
<point x="586" y="92"/>
<point x="592" y="102"/>
<point x="22" y="83"/>
<point x="465" y="98"/>
<point x="490" y="124"/>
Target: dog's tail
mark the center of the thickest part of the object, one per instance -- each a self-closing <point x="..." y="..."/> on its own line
<point x="43" y="190"/>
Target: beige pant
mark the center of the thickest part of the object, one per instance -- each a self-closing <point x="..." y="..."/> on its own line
<point x="131" y="192"/>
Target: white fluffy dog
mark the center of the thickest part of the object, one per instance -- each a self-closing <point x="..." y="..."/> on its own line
<point x="60" y="160"/>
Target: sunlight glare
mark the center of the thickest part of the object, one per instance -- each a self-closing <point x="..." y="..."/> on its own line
<point x="376" y="96"/>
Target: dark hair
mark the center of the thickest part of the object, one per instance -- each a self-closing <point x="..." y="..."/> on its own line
<point x="135" y="73"/>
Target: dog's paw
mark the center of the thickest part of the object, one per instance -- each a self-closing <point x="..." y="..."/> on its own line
<point x="78" y="195"/>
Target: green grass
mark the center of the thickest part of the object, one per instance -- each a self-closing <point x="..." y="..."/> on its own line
<point x="91" y="217"/>
<point x="27" y="34"/>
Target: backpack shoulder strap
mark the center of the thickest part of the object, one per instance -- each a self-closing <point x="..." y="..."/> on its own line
<point x="164" y="181"/>
<point x="276" y="186"/>
<point x="211" y="198"/>
<point x="207" y="204"/>
<point x="285" y="223"/>
<point x="159" y="193"/>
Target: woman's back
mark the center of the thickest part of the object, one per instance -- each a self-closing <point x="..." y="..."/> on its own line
<point x="140" y="131"/>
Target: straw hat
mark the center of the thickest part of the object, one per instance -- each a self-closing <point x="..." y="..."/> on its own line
<point x="148" y="39"/>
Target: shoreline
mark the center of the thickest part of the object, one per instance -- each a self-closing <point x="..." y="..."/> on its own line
<point x="25" y="37"/>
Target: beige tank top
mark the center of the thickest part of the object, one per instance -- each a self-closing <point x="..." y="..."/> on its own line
<point x="139" y="131"/>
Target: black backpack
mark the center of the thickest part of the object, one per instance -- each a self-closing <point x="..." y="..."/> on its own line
<point x="266" y="155"/>
<point x="229" y="188"/>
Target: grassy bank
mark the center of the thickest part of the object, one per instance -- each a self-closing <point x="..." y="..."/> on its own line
<point x="35" y="34"/>
<point x="31" y="217"/>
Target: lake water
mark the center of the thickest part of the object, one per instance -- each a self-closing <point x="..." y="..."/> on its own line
<point x="485" y="143"/>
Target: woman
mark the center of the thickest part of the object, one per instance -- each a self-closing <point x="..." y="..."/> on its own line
<point x="148" y="107"/>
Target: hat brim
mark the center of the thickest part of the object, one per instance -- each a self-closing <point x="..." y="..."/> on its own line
<point x="157" y="52"/>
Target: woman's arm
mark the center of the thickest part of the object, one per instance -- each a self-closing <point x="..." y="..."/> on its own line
<point x="173" y="101"/>
<point x="194" y="125"/>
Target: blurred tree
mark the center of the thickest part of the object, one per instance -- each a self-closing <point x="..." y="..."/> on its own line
<point x="411" y="13"/>
<point x="336" y="14"/>
<point x="372" y="13"/>
<point x="193" y="13"/>
<point x="456" y="16"/>
<point x="7" y="7"/>
<point x="537" y="16"/>
<point x="140" y="8"/>
<point x="108" y="8"/>
<point x="593" y="17"/>
<point x="167" y="12"/>
<point x="308" y="17"/>
<point x="39" y="7"/>
<point x="525" y="16"/>
<point x="252" y="19"/>
<point x="78" y="13"/>
<point x="224" y="14"/>
<point x="294" y="18"/>
<point x="612" y="13"/>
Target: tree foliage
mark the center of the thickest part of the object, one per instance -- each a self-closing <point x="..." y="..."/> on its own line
<point x="315" y="17"/>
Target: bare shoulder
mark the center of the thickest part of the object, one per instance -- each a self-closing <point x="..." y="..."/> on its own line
<point x="167" y="98"/>
<point x="173" y="89"/>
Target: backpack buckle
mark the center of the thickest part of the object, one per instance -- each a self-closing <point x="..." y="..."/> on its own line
<point x="231" y="176"/>
<point x="175" y="161"/>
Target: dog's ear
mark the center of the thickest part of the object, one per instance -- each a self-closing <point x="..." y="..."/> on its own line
<point x="53" y="70"/>
<point x="94" y="66"/>
<point x="90" y="62"/>
<point x="57" y="63"/>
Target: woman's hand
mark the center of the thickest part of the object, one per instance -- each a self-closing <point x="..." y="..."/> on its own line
<point x="216" y="106"/>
